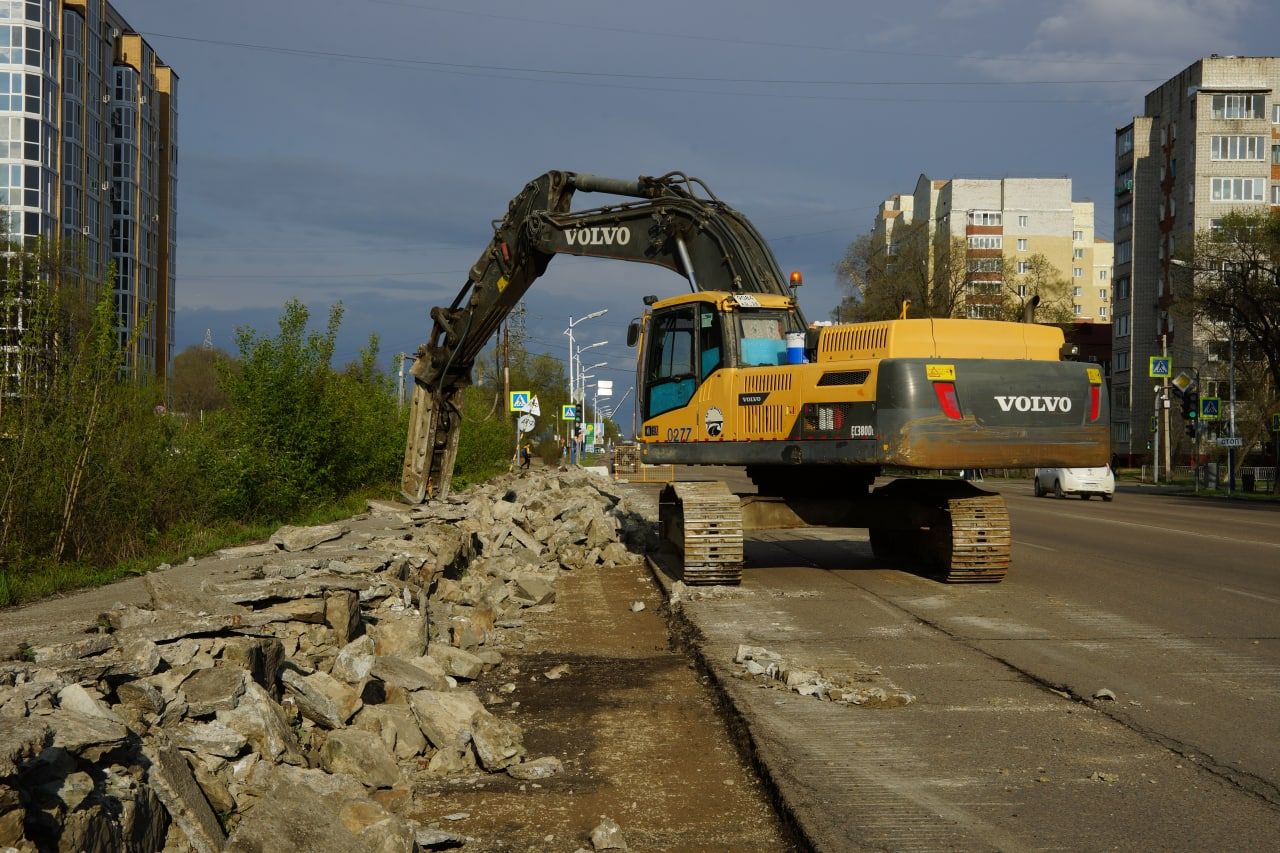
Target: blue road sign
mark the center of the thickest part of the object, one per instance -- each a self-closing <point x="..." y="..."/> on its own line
<point x="1160" y="367"/>
<point x="1210" y="408"/>
<point x="519" y="401"/>
<point x="568" y="413"/>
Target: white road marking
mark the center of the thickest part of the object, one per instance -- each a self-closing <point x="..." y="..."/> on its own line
<point x="1034" y="545"/>
<point x="1266" y="598"/>
<point x="1192" y="533"/>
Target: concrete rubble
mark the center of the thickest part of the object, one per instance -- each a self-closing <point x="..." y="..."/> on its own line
<point x="867" y="688"/>
<point x="294" y="708"/>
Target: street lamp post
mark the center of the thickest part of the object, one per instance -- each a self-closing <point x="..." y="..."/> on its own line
<point x="569" y="332"/>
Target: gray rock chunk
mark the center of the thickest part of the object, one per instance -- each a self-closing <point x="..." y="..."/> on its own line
<point x="608" y="836"/>
<point x="539" y="768"/>
<point x="400" y="636"/>
<point x="245" y="552"/>
<point x="308" y="610"/>
<point x="342" y="614"/>
<point x="438" y="839"/>
<point x="322" y="698"/>
<point x="260" y="657"/>
<point x="445" y="716"/>
<point x="140" y="696"/>
<point x="217" y="688"/>
<point x="394" y="672"/>
<point x="142" y="655"/>
<point x="354" y="661"/>
<point x="264" y="724"/>
<point x="214" y="738"/>
<point x="21" y="740"/>
<point x="305" y="538"/>
<point x="76" y="698"/>
<point x="171" y="778"/>
<point x="498" y="742"/>
<point x="361" y="755"/>
<point x="531" y="590"/>
<point x="456" y="662"/>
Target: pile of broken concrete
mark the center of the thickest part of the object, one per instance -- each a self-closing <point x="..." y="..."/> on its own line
<point x="293" y="708"/>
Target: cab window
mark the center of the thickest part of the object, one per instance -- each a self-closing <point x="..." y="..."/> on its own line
<point x="763" y="336"/>
<point x="710" y="342"/>
<point x="669" y="372"/>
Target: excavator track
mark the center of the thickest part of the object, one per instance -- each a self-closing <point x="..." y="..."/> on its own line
<point x="704" y="521"/>
<point x="975" y="547"/>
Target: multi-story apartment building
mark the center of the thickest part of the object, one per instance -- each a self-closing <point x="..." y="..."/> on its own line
<point x="1208" y="142"/>
<point x="1004" y="219"/>
<point x="88" y="159"/>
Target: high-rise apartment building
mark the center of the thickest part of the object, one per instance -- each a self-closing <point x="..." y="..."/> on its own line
<point x="1208" y="142"/>
<point x="88" y="158"/>
<point x="999" y="220"/>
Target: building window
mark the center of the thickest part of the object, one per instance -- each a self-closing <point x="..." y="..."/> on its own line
<point x="1124" y="141"/>
<point x="1077" y="236"/>
<point x="1024" y="221"/>
<point x="1122" y="288"/>
<point x="1022" y="290"/>
<point x="1275" y="155"/>
<point x="1102" y="275"/>
<point x="1124" y="181"/>
<point x="1237" y="148"/>
<point x="1102" y="310"/>
<point x="1022" y="245"/>
<point x="1124" y="215"/>
<point x="1023" y="267"/>
<point x="1102" y="294"/>
<point x="1120" y="432"/>
<point x="1275" y="113"/>
<point x="984" y="264"/>
<point x="1122" y="326"/>
<point x="1124" y="251"/>
<point x="1121" y="360"/>
<point x="1077" y="310"/>
<point x="985" y="217"/>
<point x="1275" y="193"/>
<point x="1237" y="189"/>
<point x="1077" y="254"/>
<point x="986" y="241"/>
<point x="1077" y="272"/>
<point x="1077" y="292"/>
<point x="1237" y="106"/>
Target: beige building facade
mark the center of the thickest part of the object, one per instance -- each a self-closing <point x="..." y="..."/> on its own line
<point x="1207" y="143"/>
<point x="999" y="220"/>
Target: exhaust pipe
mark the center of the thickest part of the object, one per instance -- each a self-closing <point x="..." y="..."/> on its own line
<point x="1029" y="309"/>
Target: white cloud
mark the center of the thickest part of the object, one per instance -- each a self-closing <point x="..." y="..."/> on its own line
<point x="1123" y="40"/>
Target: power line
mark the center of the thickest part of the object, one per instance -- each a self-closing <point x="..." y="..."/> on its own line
<point x="469" y="70"/>
<point x="742" y="42"/>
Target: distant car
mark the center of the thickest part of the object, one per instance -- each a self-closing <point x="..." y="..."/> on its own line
<point x="1084" y="482"/>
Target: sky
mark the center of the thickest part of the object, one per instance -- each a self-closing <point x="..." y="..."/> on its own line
<point x="358" y="150"/>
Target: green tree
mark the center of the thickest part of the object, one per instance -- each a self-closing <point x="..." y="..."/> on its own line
<point x="1040" y="278"/>
<point x="195" y="386"/>
<point x="878" y="279"/>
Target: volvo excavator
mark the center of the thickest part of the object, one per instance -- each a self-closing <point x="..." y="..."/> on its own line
<point x="730" y="373"/>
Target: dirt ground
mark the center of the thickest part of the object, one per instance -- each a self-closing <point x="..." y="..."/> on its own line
<point x="635" y="725"/>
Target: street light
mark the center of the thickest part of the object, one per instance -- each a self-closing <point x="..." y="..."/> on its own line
<point x="569" y="332"/>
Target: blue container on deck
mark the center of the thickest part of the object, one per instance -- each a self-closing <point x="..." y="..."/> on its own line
<point x="795" y="348"/>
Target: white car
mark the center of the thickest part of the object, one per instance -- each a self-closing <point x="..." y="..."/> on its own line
<point x="1075" y="481"/>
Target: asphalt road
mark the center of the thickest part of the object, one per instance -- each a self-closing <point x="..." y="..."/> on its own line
<point x="1171" y="604"/>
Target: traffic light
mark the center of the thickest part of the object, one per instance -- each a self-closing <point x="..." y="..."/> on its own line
<point x="1191" y="406"/>
<point x="1191" y="430"/>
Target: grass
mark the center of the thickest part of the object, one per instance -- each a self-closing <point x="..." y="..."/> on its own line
<point x="175" y="545"/>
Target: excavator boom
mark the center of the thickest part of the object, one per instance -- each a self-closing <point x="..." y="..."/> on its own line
<point x="670" y="224"/>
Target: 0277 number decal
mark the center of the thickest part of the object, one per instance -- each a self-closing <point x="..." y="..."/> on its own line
<point x="679" y="433"/>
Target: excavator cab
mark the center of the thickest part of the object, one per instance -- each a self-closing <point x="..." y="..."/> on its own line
<point x="689" y="338"/>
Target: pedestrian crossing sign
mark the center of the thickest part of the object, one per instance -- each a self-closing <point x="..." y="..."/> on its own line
<point x="519" y="401"/>
<point x="1210" y="408"/>
<point x="568" y="413"/>
<point x="1160" y="367"/>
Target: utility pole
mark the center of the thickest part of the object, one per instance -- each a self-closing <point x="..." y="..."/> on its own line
<point x="1155" y="448"/>
<point x="400" y="381"/>
<point x="1164" y="351"/>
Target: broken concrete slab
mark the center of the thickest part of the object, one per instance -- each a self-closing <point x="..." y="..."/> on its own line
<point x="321" y="698"/>
<point x="291" y="538"/>
<point x="217" y="688"/>
<point x="171" y="778"/>
<point x="360" y="754"/>
<point x="264" y="724"/>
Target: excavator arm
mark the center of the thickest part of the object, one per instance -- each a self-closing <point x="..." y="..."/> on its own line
<point x="670" y="225"/>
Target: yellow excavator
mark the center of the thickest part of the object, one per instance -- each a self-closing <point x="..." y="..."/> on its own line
<point x="731" y="374"/>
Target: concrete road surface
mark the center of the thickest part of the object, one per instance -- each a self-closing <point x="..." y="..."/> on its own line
<point x="1171" y="604"/>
